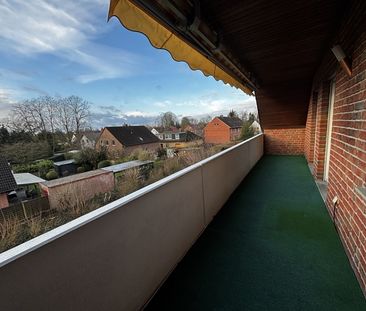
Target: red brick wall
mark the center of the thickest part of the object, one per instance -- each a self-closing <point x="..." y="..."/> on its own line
<point x="4" y="200"/>
<point x="347" y="169"/>
<point x="284" y="141"/>
<point x="321" y="129"/>
<point x="216" y="132"/>
<point x="310" y="129"/>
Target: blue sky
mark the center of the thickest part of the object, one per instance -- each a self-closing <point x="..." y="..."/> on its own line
<point x="67" y="47"/>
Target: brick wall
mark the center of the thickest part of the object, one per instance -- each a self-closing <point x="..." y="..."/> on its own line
<point x="284" y="141"/>
<point x="310" y="128"/>
<point x="347" y="169"/>
<point x="321" y="129"/>
<point x="4" y="200"/>
<point x="217" y="132"/>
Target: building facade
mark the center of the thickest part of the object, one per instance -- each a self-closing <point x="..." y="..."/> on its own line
<point x="126" y="139"/>
<point x="222" y="130"/>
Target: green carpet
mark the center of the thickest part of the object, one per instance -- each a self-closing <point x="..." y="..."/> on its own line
<point x="272" y="247"/>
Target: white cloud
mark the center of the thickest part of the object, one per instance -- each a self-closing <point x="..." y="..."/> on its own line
<point x="65" y="29"/>
<point x="7" y="99"/>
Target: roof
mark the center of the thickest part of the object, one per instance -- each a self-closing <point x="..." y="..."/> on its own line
<point x="132" y="135"/>
<point x="125" y="166"/>
<point x="65" y="162"/>
<point x="92" y="135"/>
<point x="73" y="178"/>
<point x="183" y="136"/>
<point x="27" y="179"/>
<point x="7" y="180"/>
<point x="232" y="122"/>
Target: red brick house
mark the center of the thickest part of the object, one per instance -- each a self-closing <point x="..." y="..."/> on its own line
<point x="222" y="130"/>
<point x="119" y="139"/>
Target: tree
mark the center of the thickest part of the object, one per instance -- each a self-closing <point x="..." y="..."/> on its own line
<point x="167" y="120"/>
<point x="80" y="110"/>
<point x="4" y="135"/>
<point x="232" y="114"/>
<point x="186" y="121"/>
<point x="246" y="131"/>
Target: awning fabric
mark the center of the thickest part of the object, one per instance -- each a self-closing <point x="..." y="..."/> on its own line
<point x="134" y="18"/>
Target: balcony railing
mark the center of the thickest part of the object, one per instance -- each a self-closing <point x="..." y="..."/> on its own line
<point x="117" y="256"/>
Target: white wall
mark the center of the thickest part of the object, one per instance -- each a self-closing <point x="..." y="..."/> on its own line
<point x="116" y="257"/>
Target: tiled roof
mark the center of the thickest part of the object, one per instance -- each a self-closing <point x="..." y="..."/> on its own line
<point x="232" y="122"/>
<point x="133" y="135"/>
<point x="7" y="180"/>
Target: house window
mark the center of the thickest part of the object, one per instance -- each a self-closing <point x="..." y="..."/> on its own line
<point x="173" y="136"/>
<point x="107" y="142"/>
<point x="113" y="143"/>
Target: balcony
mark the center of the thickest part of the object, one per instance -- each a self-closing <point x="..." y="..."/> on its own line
<point x="272" y="245"/>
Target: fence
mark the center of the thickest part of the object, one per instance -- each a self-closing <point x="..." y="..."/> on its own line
<point x="116" y="257"/>
<point x="25" y="209"/>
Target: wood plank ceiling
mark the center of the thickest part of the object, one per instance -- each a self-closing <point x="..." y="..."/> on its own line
<point x="282" y="43"/>
<point x="279" y="43"/>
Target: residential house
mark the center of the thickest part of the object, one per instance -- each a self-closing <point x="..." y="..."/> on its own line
<point x="179" y="139"/>
<point x="118" y="139"/>
<point x="222" y="130"/>
<point x="194" y="128"/>
<point x="89" y="139"/>
<point x="7" y="182"/>
<point x="256" y="127"/>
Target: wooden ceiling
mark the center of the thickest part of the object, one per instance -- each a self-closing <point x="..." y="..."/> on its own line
<point x="279" y="43"/>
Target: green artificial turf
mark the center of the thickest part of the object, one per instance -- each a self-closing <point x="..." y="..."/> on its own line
<point x="272" y="247"/>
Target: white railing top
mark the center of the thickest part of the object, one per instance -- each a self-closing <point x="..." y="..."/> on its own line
<point x="47" y="237"/>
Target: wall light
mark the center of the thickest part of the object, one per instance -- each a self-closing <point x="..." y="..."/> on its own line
<point x="342" y="59"/>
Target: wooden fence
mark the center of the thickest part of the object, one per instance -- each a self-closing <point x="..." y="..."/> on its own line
<point x="25" y="210"/>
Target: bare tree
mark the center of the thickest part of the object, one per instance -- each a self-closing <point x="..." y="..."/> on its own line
<point x="80" y="110"/>
<point x="167" y="119"/>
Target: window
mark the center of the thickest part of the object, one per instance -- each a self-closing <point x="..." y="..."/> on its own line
<point x="173" y="136"/>
<point x="107" y="142"/>
<point x="113" y="143"/>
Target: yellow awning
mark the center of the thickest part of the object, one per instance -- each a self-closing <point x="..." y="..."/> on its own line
<point x="134" y="18"/>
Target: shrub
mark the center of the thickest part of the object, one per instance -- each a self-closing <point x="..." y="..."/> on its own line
<point x="104" y="163"/>
<point x="51" y="175"/>
<point x="80" y="169"/>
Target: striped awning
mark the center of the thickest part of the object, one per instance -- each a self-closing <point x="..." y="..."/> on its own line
<point x="136" y="19"/>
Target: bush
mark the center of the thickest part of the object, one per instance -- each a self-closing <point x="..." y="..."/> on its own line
<point x="80" y="169"/>
<point x="51" y="175"/>
<point x="25" y="152"/>
<point x="104" y="163"/>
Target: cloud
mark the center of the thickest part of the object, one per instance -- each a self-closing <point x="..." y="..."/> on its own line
<point x="66" y="29"/>
<point x="6" y="102"/>
<point x="34" y="89"/>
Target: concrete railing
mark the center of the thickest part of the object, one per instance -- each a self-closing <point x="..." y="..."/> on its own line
<point x="117" y="256"/>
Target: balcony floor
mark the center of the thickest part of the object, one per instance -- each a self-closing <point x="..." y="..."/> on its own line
<point x="272" y="247"/>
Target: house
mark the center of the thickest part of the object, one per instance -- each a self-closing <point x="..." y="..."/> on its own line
<point x="179" y="139"/>
<point x="7" y="182"/>
<point x="89" y="139"/>
<point x="222" y="130"/>
<point x="83" y="186"/>
<point x="256" y="127"/>
<point x="194" y="128"/>
<point x="118" y="139"/>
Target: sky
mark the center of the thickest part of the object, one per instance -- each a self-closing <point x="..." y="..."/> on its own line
<point x="52" y="47"/>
